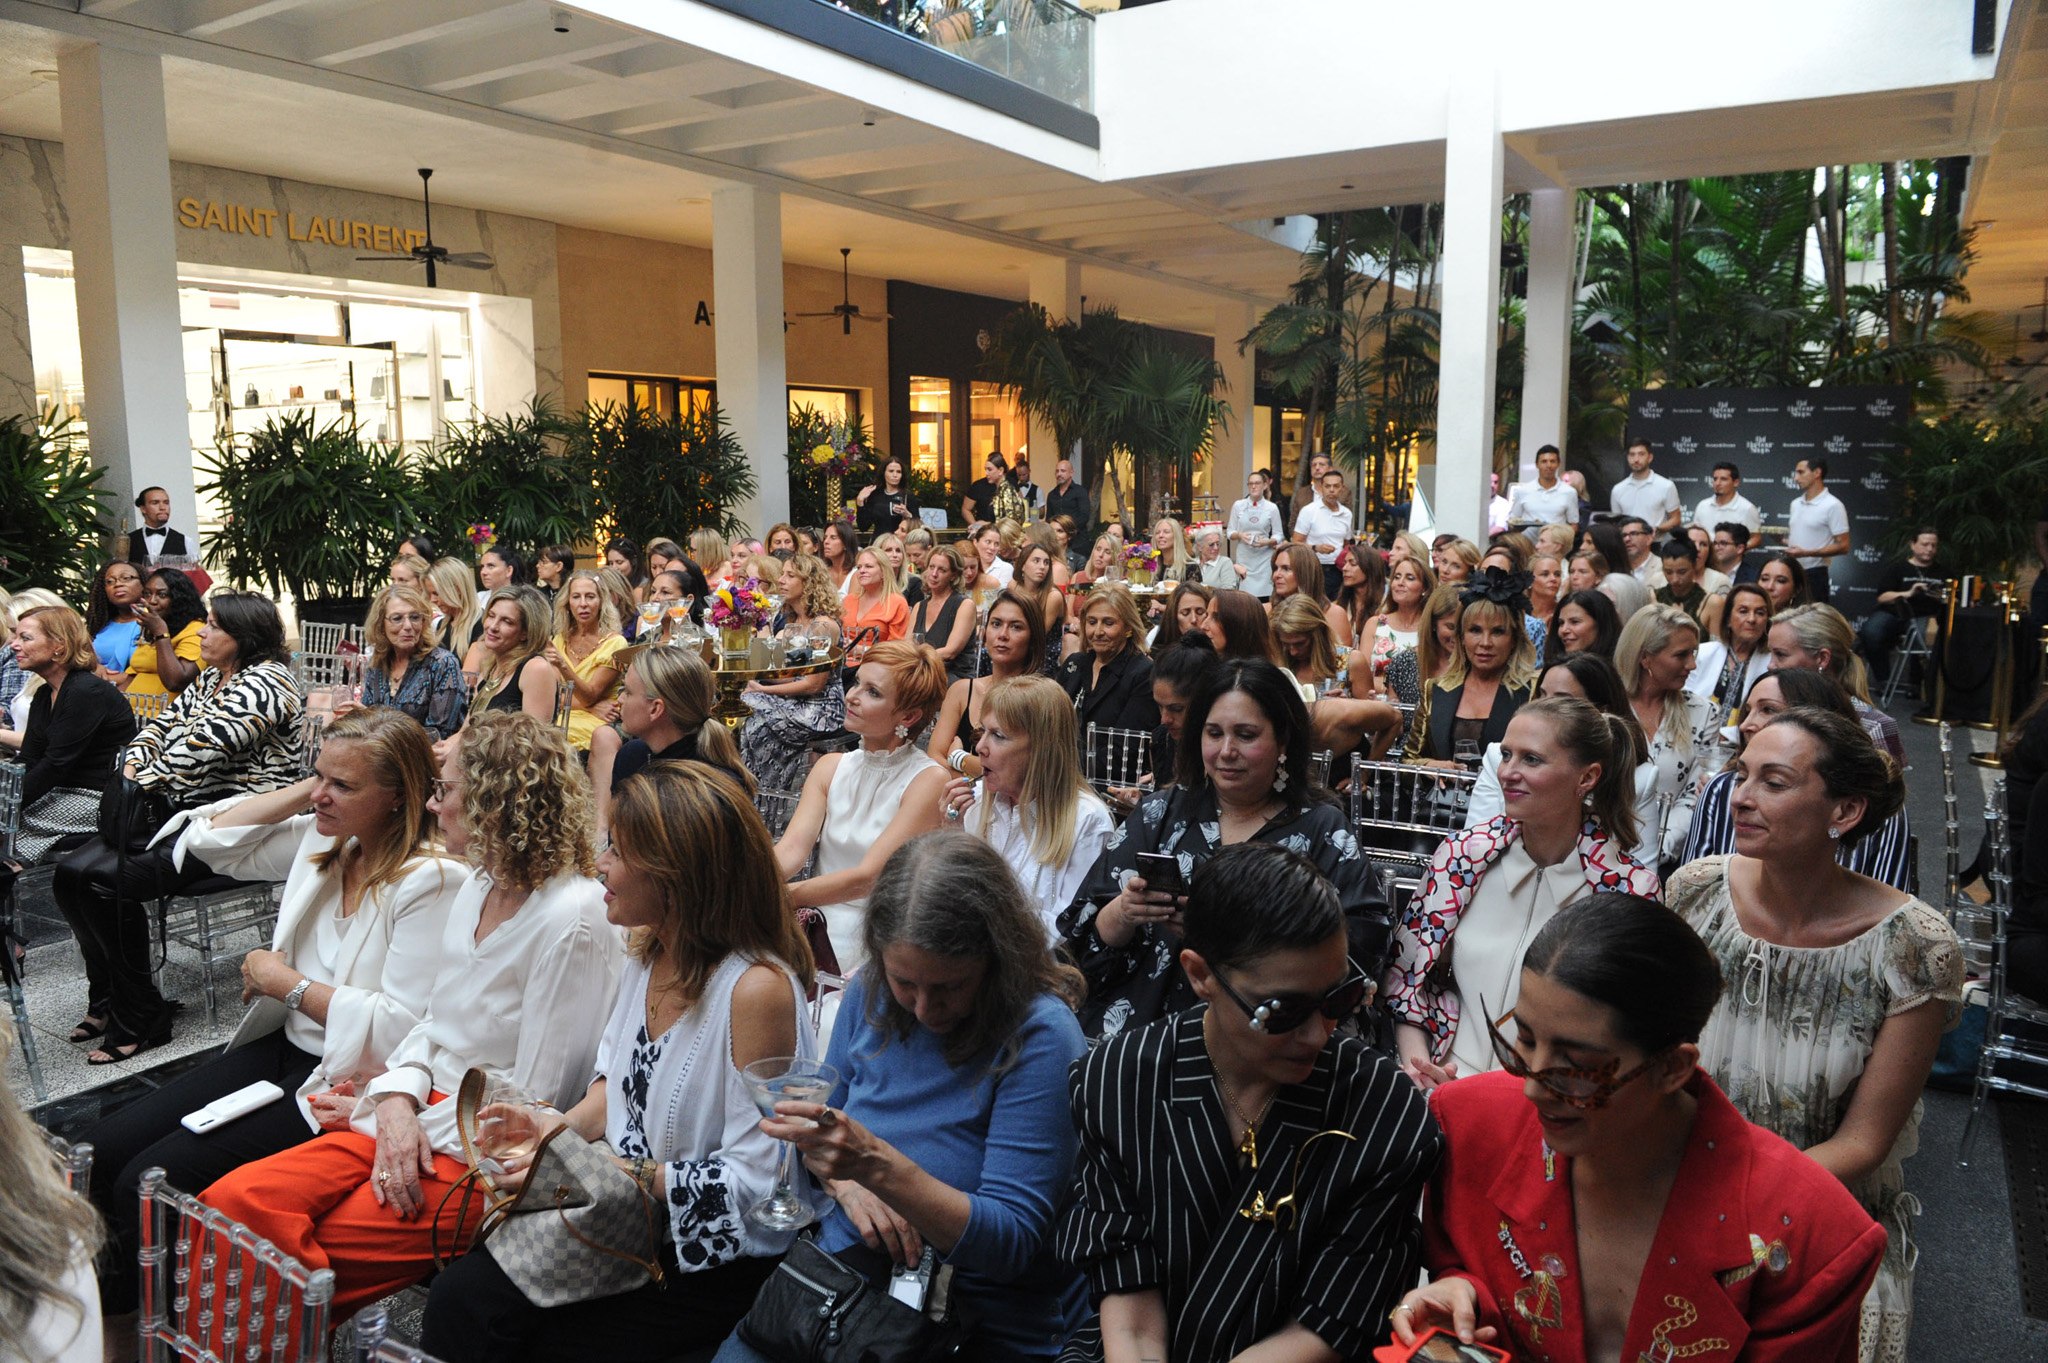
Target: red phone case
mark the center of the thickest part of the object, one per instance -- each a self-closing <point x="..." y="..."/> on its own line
<point x="1446" y="1349"/>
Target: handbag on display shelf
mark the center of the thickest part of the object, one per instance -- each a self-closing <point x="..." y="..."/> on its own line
<point x="578" y="1229"/>
<point x="824" y="1308"/>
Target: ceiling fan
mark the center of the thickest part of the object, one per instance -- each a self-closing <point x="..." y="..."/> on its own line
<point x="848" y="312"/>
<point x="431" y="255"/>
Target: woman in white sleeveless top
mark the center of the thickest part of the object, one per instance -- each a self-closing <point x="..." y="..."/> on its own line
<point x="859" y="807"/>
<point x="715" y="981"/>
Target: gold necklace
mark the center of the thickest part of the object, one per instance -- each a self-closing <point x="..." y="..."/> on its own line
<point x="1248" y="1144"/>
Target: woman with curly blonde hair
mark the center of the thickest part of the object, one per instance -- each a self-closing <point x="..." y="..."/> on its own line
<point x="530" y="966"/>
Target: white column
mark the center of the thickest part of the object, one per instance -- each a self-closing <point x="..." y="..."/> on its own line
<point x="1055" y="286"/>
<point x="1471" y="305"/>
<point x="117" y="174"/>
<point x="753" y="371"/>
<point x="1547" y="324"/>
<point x="1232" y="457"/>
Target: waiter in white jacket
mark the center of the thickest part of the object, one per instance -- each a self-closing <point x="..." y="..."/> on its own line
<point x="1255" y="529"/>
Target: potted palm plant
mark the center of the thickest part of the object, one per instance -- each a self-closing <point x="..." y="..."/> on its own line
<point x="53" y="515"/>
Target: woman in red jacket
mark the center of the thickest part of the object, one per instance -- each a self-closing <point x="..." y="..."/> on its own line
<point x="1601" y="1201"/>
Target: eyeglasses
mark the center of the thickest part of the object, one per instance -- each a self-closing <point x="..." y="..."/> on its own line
<point x="413" y="618"/>
<point x="1277" y="1017"/>
<point x="445" y="790"/>
<point x="1585" y="1090"/>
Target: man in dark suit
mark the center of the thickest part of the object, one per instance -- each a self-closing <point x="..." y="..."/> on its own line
<point x="155" y="539"/>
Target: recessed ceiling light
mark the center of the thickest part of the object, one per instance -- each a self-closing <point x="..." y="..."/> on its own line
<point x="1347" y="186"/>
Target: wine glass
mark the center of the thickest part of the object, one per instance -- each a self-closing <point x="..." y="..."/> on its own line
<point x="1466" y="752"/>
<point x="505" y="1128"/>
<point x="782" y="1079"/>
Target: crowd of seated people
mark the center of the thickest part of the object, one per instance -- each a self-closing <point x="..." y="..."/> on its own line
<point x="1111" y="1016"/>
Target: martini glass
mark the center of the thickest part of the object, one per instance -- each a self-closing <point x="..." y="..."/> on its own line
<point x="786" y="1079"/>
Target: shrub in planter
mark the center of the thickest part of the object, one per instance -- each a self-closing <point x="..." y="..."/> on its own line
<point x="54" y="521"/>
<point x="520" y="472"/>
<point x="661" y="475"/>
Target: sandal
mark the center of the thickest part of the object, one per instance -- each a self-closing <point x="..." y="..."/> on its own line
<point x="116" y="1052"/>
<point x="89" y="1028"/>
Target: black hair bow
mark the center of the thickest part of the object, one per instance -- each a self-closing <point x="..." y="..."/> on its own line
<point x="1501" y="587"/>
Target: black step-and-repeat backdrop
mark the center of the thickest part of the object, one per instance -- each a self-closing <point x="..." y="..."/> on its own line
<point x="1764" y="432"/>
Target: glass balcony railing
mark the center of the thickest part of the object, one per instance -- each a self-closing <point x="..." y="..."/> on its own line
<point x="1043" y="45"/>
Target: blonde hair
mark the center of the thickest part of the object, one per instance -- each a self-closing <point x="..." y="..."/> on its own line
<point x="1038" y="709"/>
<point x="890" y="573"/>
<point x="819" y="596"/>
<point x="701" y="844"/>
<point x="411" y="567"/>
<point x="49" y="1228"/>
<point x="1520" y="674"/>
<point x="67" y="628"/>
<point x="1649" y="632"/>
<point x="535" y="617"/>
<point x="1300" y="618"/>
<point x="1592" y="735"/>
<point x="1819" y="627"/>
<point x="525" y="801"/>
<point x="1176" y="554"/>
<point x="618" y="591"/>
<point x="682" y="682"/>
<point x="708" y="548"/>
<point x="456" y="588"/>
<point x="1564" y="536"/>
<point x="1418" y="549"/>
<point x="608" y="621"/>
<point x="380" y="638"/>
<point x="1118" y="598"/>
<point x="401" y="758"/>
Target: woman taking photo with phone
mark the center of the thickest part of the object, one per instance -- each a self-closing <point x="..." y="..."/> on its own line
<point x="1263" y="1099"/>
<point x="1600" y="1198"/>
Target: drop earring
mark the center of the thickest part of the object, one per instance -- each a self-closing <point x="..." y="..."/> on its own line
<point x="1280" y="777"/>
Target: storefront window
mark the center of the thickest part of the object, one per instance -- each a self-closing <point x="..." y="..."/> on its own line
<point x="931" y="428"/>
<point x="995" y="425"/>
<point x="660" y="397"/>
<point x="834" y="404"/>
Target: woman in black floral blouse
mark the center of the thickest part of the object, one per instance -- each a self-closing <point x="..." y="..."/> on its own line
<point x="1242" y="775"/>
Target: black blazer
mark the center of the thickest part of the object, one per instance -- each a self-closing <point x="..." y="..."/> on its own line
<point x="1443" y="712"/>
<point x="1120" y="699"/>
<point x="174" y="546"/>
<point x="75" y="743"/>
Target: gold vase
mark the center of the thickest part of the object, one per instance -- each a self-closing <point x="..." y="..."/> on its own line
<point x="735" y="641"/>
<point x="834" y="507"/>
<point x="1139" y="577"/>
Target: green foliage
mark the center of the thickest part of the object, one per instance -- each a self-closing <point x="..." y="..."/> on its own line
<point x="662" y="475"/>
<point x="53" y="515"/>
<point x="318" y="511"/>
<point x="808" y="429"/>
<point x="518" y="472"/>
<point x="1976" y="481"/>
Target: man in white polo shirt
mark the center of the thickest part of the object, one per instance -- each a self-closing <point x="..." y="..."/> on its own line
<point x="1549" y="500"/>
<point x="1644" y="493"/>
<point x="1324" y="526"/>
<point x="1817" y="528"/>
<point x="1727" y="505"/>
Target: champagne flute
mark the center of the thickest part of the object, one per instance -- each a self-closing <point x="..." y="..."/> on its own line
<point x="780" y="1079"/>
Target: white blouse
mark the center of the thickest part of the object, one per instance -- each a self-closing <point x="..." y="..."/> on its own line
<point x="678" y="1098"/>
<point x="64" y="1328"/>
<point x="384" y="958"/>
<point x="527" y="1004"/>
<point x="1010" y="828"/>
<point x="1514" y="899"/>
<point x="866" y="792"/>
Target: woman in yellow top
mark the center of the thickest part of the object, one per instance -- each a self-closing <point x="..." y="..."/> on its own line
<point x="167" y="659"/>
<point x="585" y="650"/>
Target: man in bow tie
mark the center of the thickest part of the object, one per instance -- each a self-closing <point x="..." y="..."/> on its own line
<point x="155" y="539"/>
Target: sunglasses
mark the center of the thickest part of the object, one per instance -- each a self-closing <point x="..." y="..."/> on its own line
<point x="1278" y="1017"/>
<point x="1582" y="1089"/>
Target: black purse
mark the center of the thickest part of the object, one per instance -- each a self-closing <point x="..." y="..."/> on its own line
<point x="818" y="1308"/>
<point x="130" y="816"/>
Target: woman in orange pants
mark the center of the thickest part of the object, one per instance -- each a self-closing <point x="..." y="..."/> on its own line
<point x="531" y="968"/>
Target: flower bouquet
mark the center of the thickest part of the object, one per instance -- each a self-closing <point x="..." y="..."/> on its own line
<point x="1141" y="562"/>
<point x="736" y="610"/>
<point x="482" y="534"/>
<point x="837" y="455"/>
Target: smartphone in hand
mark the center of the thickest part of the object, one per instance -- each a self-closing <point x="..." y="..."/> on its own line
<point x="1161" y="873"/>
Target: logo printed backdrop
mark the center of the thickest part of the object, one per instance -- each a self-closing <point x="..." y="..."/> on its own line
<point x="1764" y="432"/>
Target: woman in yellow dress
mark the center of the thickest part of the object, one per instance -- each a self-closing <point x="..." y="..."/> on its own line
<point x="167" y="658"/>
<point x="585" y="650"/>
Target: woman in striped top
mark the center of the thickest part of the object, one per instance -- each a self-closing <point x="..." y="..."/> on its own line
<point x="233" y="732"/>
<point x="1247" y="1180"/>
<point x="1881" y="855"/>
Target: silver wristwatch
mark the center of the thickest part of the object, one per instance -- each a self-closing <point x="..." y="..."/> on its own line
<point x="298" y="993"/>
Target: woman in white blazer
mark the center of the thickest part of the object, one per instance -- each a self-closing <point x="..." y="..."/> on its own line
<point x="347" y="975"/>
<point x="529" y="965"/>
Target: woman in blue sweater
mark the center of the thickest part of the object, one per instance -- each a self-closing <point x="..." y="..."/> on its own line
<point x="949" y="1126"/>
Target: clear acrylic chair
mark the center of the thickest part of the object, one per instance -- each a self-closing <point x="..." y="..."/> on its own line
<point x="213" y="1291"/>
<point x="777" y="807"/>
<point x="11" y="777"/>
<point x="319" y="638"/>
<point x="1116" y="759"/>
<point x="374" y="1343"/>
<point x="2015" y="1054"/>
<point x="74" y="1161"/>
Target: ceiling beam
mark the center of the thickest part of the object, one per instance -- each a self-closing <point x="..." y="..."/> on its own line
<point x="373" y="29"/>
<point x="211" y="18"/>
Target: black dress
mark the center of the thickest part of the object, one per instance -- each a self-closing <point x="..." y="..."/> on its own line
<point x="1141" y="981"/>
<point x="937" y="631"/>
<point x="1159" y="1189"/>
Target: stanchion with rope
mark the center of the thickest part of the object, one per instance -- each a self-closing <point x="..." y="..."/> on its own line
<point x="2002" y="680"/>
<point x="1953" y="591"/>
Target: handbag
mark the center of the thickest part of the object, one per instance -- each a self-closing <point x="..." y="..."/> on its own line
<point x="131" y="816"/>
<point x="580" y="1228"/>
<point x="818" y="1308"/>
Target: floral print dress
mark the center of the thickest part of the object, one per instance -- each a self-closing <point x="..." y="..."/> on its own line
<point x="1790" y="1037"/>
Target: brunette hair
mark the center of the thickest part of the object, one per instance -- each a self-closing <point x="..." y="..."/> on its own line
<point x="1300" y="618"/>
<point x="253" y="623"/>
<point x="1252" y="899"/>
<point x="1636" y="958"/>
<point x="99" y="608"/>
<point x="187" y="607"/>
<point x="1849" y="765"/>
<point x="951" y="894"/>
<point x="1277" y="699"/>
<point x="1034" y="622"/>
<point x="1308" y="572"/>
<point x="1441" y="601"/>
<point x="1247" y="632"/>
<point x="1724" y="627"/>
<point x="629" y="550"/>
<point x="1793" y="566"/>
<point x="1606" y="619"/>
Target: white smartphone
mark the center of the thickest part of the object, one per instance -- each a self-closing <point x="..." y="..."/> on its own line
<point x="230" y="1106"/>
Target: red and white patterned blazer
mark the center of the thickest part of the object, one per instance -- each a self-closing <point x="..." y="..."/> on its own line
<point x="1415" y="991"/>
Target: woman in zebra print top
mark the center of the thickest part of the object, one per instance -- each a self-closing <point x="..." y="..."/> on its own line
<point x="233" y="732"/>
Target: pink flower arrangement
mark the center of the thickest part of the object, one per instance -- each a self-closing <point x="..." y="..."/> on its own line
<point x="483" y="534"/>
<point x="738" y="606"/>
<point x="1142" y="557"/>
